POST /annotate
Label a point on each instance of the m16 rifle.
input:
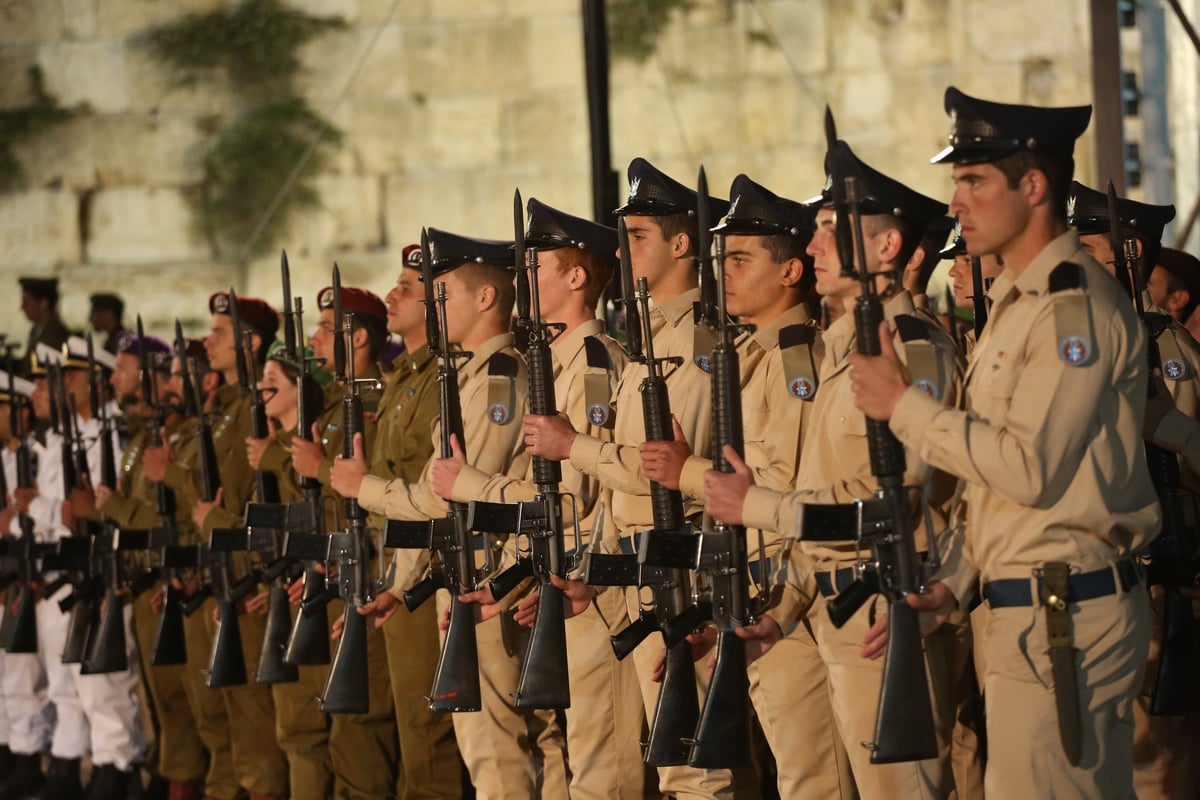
(544, 681)
(456, 679)
(904, 724)
(21, 633)
(1175, 552)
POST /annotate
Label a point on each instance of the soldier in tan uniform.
(660, 216)
(767, 275)
(605, 719)
(961, 280)
(429, 762)
(180, 752)
(509, 752)
(835, 465)
(259, 763)
(1057, 489)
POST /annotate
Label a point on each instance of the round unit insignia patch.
(801, 388)
(1074, 350)
(1173, 369)
(598, 414)
(703, 361)
(926, 387)
(326, 299)
(498, 413)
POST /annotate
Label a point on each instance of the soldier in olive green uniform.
(181, 758)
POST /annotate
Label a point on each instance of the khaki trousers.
(208, 706)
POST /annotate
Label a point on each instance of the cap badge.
(221, 304)
(633, 187)
(1071, 205)
(733, 207)
(326, 299)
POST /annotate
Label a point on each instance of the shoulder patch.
(596, 353)
(799, 365)
(502, 364)
(1072, 315)
(1174, 366)
(911, 328)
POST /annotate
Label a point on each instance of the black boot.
(8, 762)
(62, 780)
(109, 783)
(25, 779)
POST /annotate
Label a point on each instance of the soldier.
(259, 763)
(39, 302)
(1174, 284)
(30, 718)
(835, 465)
(605, 719)
(1057, 489)
(105, 318)
(508, 752)
(660, 217)
(767, 277)
(362, 747)
(961, 280)
(180, 752)
(429, 760)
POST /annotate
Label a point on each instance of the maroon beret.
(359, 301)
(252, 311)
(412, 256)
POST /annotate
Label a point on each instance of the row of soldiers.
(557, 494)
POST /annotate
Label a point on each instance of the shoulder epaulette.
(502, 364)
(799, 365)
(792, 335)
(596, 353)
(1066, 275)
(911, 328)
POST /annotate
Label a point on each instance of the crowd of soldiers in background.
(424, 545)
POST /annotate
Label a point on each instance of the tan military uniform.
(1051, 450)
(208, 706)
(132, 507)
(429, 760)
(618, 465)
(788, 685)
(508, 752)
(604, 722)
(835, 468)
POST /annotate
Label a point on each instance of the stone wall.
(460, 101)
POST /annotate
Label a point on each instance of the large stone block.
(549, 126)
(150, 150)
(386, 135)
(347, 10)
(91, 73)
(789, 38)
(15, 89)
(39, 229)
(349, 218)
(996, 33)
(79, 19)
(464, 131)
(473, 202)
(133, 225)
(556, 57)
(374, 11)
(474, 56)
(153, 88)
(61, 156)
(121, 18)
(30, 21)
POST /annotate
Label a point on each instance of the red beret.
(252, 311)
(412, 256)
(359, 301)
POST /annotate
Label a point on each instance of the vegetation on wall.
(634, 25)
(20, 124)
(252, 154)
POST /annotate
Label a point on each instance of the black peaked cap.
(878, 194)
(981, 130)
(1087, 212)
(957, 246)
(450, 250)
(548, 228)
(755, 210)
(653, 193)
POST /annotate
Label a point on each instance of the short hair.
(910, 236)
(598, 267)
(672, 225)
(932, 243)
(784, 247)
(377, 332)
(1058, 171)
(475, 275)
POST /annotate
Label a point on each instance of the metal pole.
(595, 54)
(1106, 93)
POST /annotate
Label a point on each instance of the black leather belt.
(831, 583)
(1010, 592)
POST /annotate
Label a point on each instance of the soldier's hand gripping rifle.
(904, 724)
(22, 631)
(456, 679)
(1175, 552)
(350, 549)
(544, 681)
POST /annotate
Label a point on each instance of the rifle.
(345, 690)
(22, 631)
(106, 646)
(1174, 561)
(544, 680)
(456, 679)
(904, 724)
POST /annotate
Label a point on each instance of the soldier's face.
(960, 273)
(651, 254)
(125, 379)
(322, 339)
(279, 390)
(553, 283)
(827, 266)
(1099, 247)
(41, 398)
(752, 276)
(460, 306)
(991, 214)
(406, 312)
(218, 345)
